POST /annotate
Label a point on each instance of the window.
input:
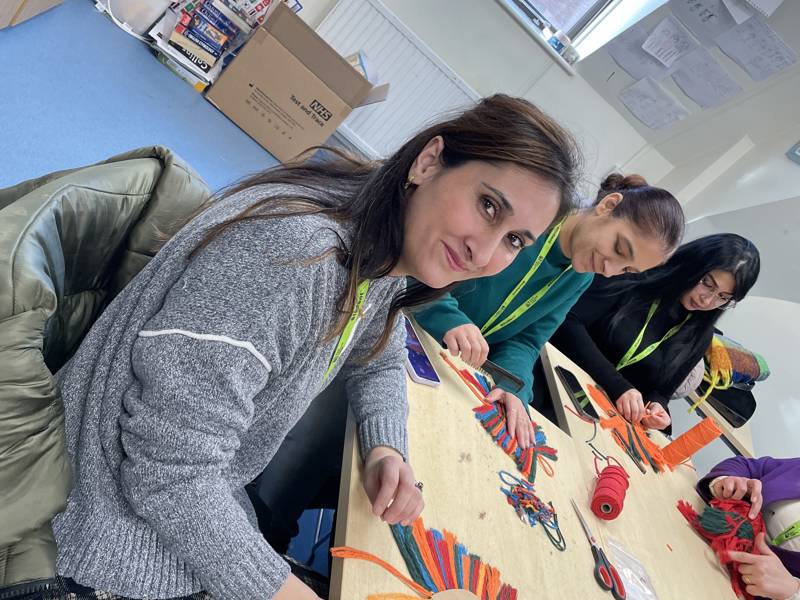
(590, 24)
(570, 16)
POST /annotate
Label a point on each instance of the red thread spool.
(609, 493)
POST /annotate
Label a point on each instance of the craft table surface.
(741, 438)
(650, 519)
(458, 463)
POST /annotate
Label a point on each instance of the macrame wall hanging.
(492, 417)
(437, 562)
(632, 438)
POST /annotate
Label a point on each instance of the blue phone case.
(417, 358)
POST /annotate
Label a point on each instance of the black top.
(585, 337)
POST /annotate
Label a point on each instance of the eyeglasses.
(724, 300)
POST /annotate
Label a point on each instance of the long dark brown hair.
(655, 211)
(372, 196)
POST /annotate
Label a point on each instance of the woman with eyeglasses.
(639, 337)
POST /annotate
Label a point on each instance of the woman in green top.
(508, 317)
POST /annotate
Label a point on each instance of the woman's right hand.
(631, 405)
(468, 341)
(737, 488)
(294, 589)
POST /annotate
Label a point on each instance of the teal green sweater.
(515, 347)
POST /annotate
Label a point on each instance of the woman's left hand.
(655, 416)
(390, 486)
(518, 422)
(764, 573)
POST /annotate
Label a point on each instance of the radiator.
(423, 87)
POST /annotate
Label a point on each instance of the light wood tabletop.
(459, 463)
(739, 438)
(680, 564)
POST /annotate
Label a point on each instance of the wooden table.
(739, 439)
(458, 463)
(649, 522)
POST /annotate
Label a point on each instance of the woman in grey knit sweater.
(187, 384)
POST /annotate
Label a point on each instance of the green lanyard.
(789, 533)
(528, 304)
(629, 357)
(350, 328)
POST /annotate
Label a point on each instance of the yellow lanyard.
(787, 534)
(629, 357)
(487, 328)
(350, 328)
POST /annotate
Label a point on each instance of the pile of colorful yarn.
(531, 509)
(437, 562)
(725, 526)
(493, 419)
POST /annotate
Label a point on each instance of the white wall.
(492, 53)
(487, 48)
(772, 328)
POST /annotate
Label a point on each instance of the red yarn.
(609, 493)
(735, 517)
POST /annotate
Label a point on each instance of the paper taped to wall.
(652, 104)
(765, 7)
(669, 41)
(706, 19)
(704, 80)
(626, 50)
(757, 48)
(740, 10)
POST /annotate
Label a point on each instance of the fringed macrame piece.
(492, 417)
(437, 562)
(632, 438)
(725, 526)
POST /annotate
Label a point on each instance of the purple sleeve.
(737, 466)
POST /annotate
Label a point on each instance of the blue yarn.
(460, 551)
(411, 555)
(437, 537)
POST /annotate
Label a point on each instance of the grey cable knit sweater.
(184, 389)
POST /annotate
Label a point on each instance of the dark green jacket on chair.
(69, 242)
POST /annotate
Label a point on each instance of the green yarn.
(718, 522)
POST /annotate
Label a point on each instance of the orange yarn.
(347, 552)
(478, 393)
(420, 536)
(684, 446)
(617, 423)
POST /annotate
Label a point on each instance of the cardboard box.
(288, 89)
(17, 11)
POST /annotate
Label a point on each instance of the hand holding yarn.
(390, 486)
(631, 405)
(764, 573)
(518, 422)
(737, 488)
(468, 341)
(655, 416)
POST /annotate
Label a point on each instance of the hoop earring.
(409, 182)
